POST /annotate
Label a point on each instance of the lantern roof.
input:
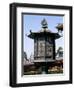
(44, 31)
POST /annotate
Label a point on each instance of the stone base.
(46, 60)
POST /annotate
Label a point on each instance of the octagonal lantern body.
(44, 45)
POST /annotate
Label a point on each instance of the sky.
(33, 23)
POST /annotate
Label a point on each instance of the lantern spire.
(44, 23)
